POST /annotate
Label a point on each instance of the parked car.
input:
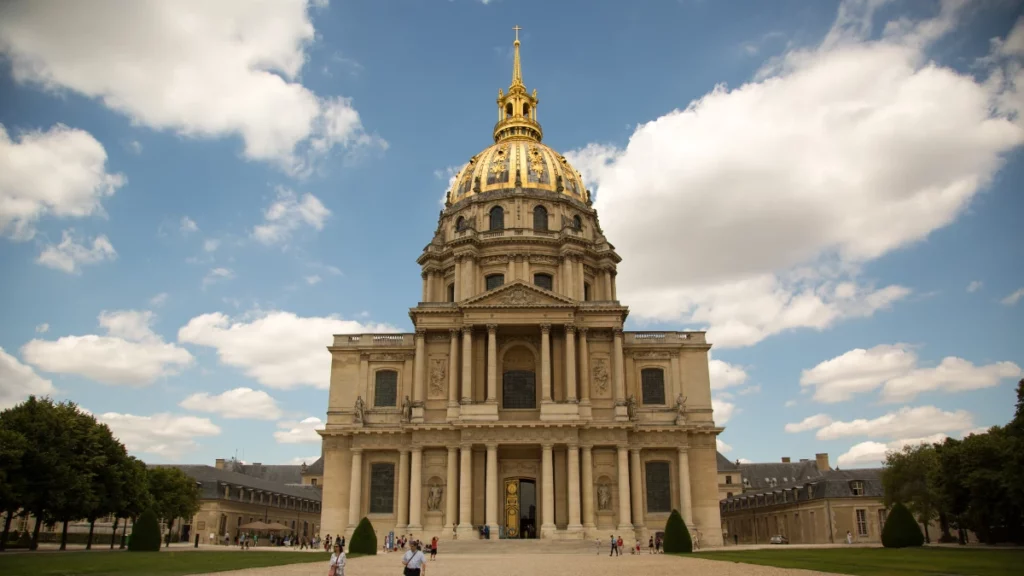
(779, 539)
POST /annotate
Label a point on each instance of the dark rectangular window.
(543, 281)
(385, 389)
(382, 488)
(659, 487)
(519, 390)
(728, 479)
(495, 280)
(652, 382)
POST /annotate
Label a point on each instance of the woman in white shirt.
(414, 561)
(337, 565)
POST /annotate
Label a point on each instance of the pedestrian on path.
(337, 565)
(414, 561)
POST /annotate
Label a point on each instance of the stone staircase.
(516, 546)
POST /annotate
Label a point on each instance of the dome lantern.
(517, 110)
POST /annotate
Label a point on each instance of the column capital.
(404, 450)
(586, 447)
(545, 328)
(573, 446)
(424, 274)
(467, 328)
(617, 332)
(421, 333)
(416, 449)
(583, 331)
(453, 331)
(634, 450)
(492, 445)
(357, 451)
(570, 328)
(547, 447)
(466, 446)
(453, 449)
(492, 328)
(682, 450)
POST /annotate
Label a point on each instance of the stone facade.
(519, 403)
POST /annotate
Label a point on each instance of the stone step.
(513, 546)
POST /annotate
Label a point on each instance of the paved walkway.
(538, 565)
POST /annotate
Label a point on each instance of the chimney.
(822, 461)
(219, 464)
(785, 459)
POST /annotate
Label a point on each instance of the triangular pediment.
(519, 294)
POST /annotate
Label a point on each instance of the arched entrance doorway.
(521, 508)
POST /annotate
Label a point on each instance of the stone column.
(676, 382)
(426, 287)
(547, 507)
(458, 278)
(453, 367)
(491, 506)
(619, 376)
(467, 364)
(510, 273)
(416, 491)
(570, 363)
(545, 362)
(581, 278)
(684, 486)
(607, 285)
(568, 283)
(636, 488)
(492, 363)
(624, 512)
(527, 276)
(573, 464)
(450, 509)
(588, 487)
(403, 489)
(419, 371)
(466, 490)
(584, 377)
(355, 496)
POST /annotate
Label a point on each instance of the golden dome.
(517, 162)
(517, 158)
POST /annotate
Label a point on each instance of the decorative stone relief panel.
(600, 377)
(438, 371)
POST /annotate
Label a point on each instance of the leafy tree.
(82, 442)
(901, 530)
(364, 539)
(108, 479)
(135, 496)
(12, 486)
(909, 478)
(175, 495)
(677, 537)
(145, 533)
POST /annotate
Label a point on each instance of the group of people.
(394, 544)
(413, 561)
(327, 542)
(618, 546)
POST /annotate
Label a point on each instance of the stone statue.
(680, 410)
(434, 494)
(604, 497)
(631, 407)
(360, 410)
(406, 409)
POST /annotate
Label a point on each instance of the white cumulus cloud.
(724, 375)
(131, 353)
(299, 432)
(197, 68)
(18, 381)
(723, 410)
(166, 435)
(69, 256)
(809, 423)
(974, 286)
(188, 225)
(894, 368)
(279, 349)
(771, 195)
(236, 403)
(216, 275)
(60, 172)
(722, 446)
(1013, 298)
(288, 213)
(872, 453)
(907, 422)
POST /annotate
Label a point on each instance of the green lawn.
(885, 562)
(166, 563)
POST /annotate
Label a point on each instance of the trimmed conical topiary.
(364, 539)
(901, 530)
(145, 533)
(677, 537)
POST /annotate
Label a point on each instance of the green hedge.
(901, 530)
(145, 534)
(364, 539)
(677, 537)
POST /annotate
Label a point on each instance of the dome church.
(519, 407)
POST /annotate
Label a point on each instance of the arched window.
(659, 487)
(497, 218)
(652, 382)
(495, 280)
(577, 224)
(508, 110)
(540, 218)
(586, 291)
(460, 224)
(451, 292)
(543, 281)
(385, 388)
(526, 110)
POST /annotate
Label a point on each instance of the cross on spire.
(517, 29)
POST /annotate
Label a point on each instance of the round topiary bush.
(677, 537)
(145, 533)
(901, 530)
(364, 539)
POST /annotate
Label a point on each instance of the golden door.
(512, 508)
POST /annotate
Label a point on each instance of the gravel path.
(538, 565)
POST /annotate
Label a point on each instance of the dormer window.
(577, 223)
(461, 224)
(497, 216)
(495, 281)
(857, 488)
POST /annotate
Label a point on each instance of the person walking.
(650, 545)
(433, 548)
(618, 546)
(849, 537)
(414, 561)
(614, 551)
(337, 565)
(597, 545)
(657, 545)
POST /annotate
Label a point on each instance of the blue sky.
(192, 199)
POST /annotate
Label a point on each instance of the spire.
(517, 72)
